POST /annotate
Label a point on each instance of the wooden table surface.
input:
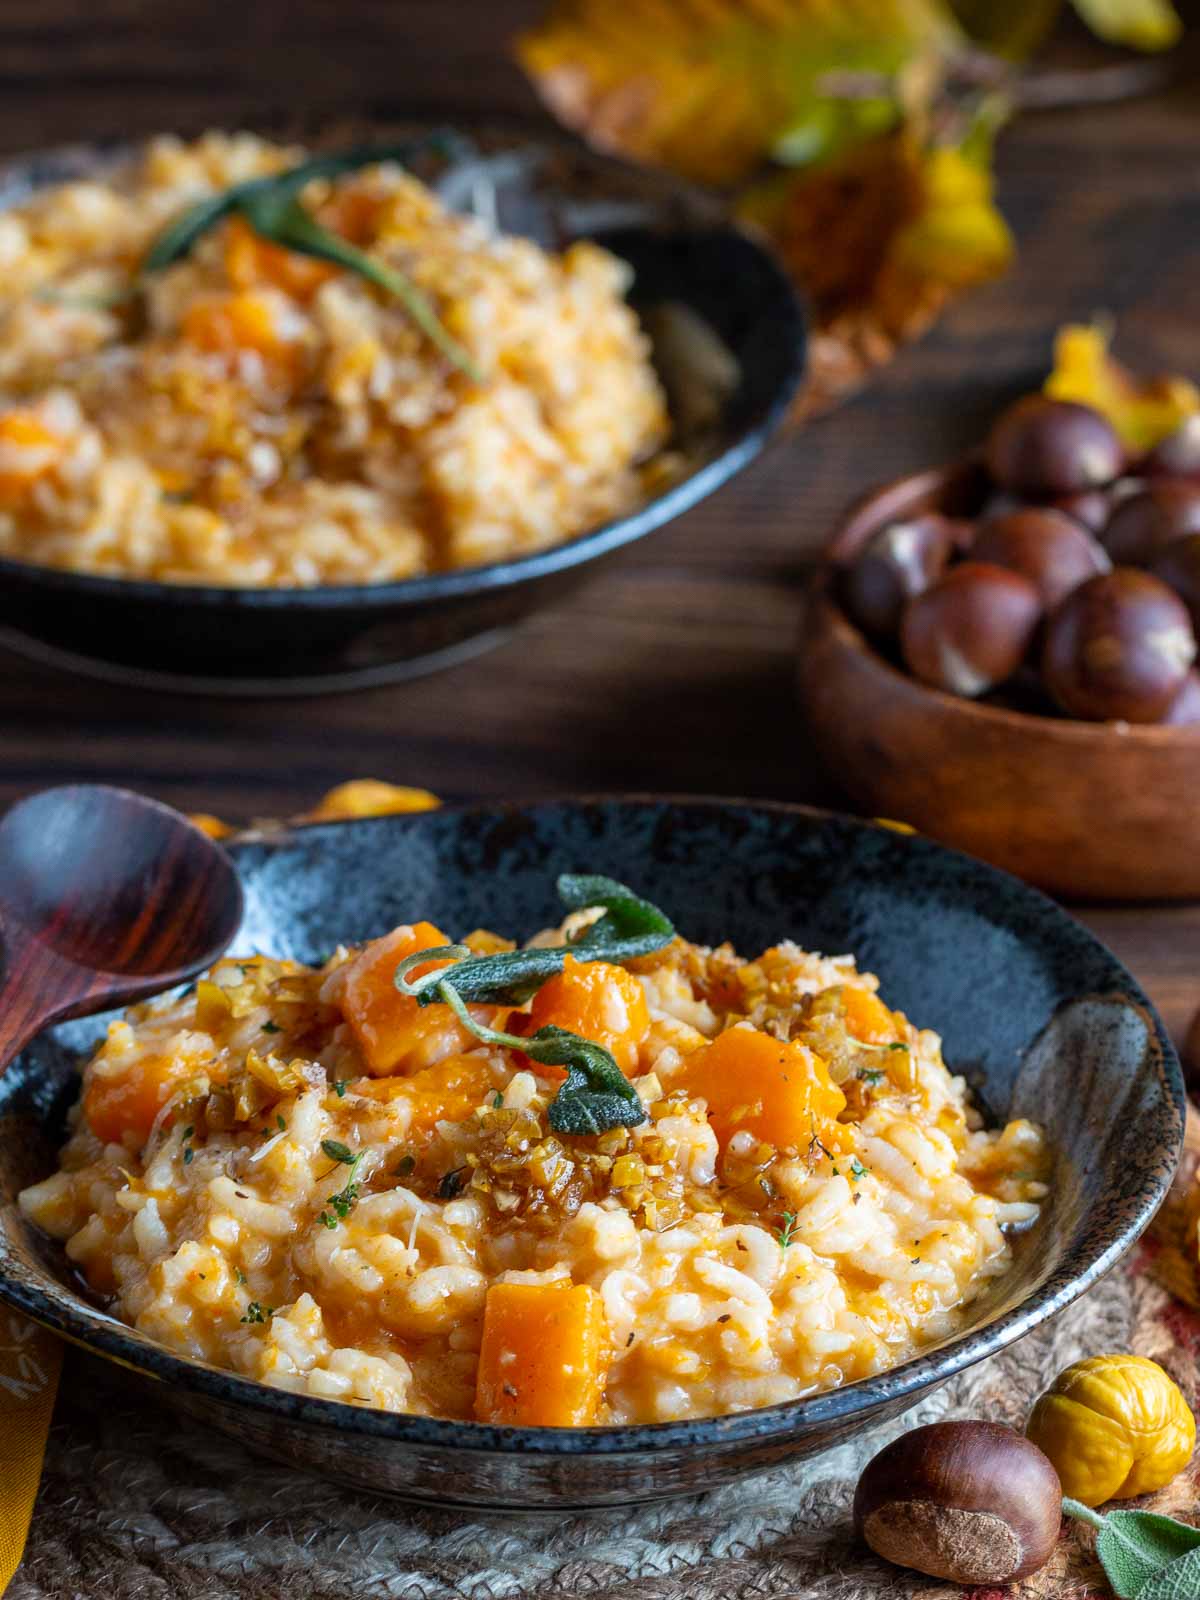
(673, 669)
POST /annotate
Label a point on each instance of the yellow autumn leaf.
(1142, 410)
(710, 88)
(1142, 24)
(879, 240)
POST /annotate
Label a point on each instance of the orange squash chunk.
(447, 1092)
(394, 1032)
(116, 1106)
(867, 1018)
(543, 1357)
(28, 450)
(252, 260)
(599, 1001)
(232, 323)
(780, 1092)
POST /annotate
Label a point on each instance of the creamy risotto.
(249, 415)
(314, 1179)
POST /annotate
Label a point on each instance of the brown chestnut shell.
(1051, 549)
(900, 561)
(1178, 455)
(1178, 565)
(1040, 447)
(972, 1502)
(1144, 523)
(972, 629)
(1118, 649)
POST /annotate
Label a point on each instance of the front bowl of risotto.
(284, 415)
(589, 1152)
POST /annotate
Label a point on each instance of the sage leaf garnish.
(272, 207)
(1145, 1556)
(596, 1095)
(630, 927)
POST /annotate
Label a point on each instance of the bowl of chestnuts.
(1002, 653)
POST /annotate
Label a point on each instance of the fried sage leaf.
(630, 927)
(272, 207)
(596, 1095)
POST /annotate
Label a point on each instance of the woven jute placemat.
(138, 1504)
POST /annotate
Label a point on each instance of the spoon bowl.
(106, 897)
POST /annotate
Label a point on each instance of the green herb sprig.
(1145, 1556)
(596, 1095)
(341, 1204)
(272, 207)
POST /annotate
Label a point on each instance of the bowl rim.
(68, 1314)
(752, 437)
(896, 498)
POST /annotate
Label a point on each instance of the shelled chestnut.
(1072, 589)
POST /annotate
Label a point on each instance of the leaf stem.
(1075, 1508)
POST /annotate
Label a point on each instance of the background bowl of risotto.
(1039, 1019)
(244, 469)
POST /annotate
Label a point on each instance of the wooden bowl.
(1095, 811)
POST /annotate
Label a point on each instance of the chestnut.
(1091, 507)
(899, 561)
(1118, 648)
(1178, 455)
(1142, 523)
(1178, 565)
(1051, 549)
(1041, 447)
(972, 629)
(1184, 712)
(971, 1502)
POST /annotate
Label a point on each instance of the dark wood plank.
(673, 669)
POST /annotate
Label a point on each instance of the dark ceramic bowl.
(1037, 1014)
(300, 641)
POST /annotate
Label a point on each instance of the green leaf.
(1142, 24)
(337, 1151)
(272, 207)
(1179, 1581)
(1138, 1548)
(276, 214)
(630, 927)
(596, 1095)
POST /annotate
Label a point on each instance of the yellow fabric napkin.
(30, 1359)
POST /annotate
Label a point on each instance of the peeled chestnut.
(1041, 447)
(1184, 710)
(1118, 648)
(971, 1502)
(1178, 455)
(898, 562)
(1178, 565)
(1143, 523)
(1051, 549)
(972, 629)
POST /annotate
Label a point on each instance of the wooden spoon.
(105, 898)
